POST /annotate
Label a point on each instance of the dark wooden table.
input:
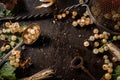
(58, 44)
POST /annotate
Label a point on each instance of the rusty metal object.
(26, 17)
(23, 41)
(77, 63)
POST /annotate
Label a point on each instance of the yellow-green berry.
(110, 70)
(104, 41)
(67, 12)
(108, 76)
(12, 43)
(91, 38)
(105, 67)
(7, 24)
(7, 47)
(11, 57)
(17, 60)
(106, 37)
(96, 36)
(114, 38)
(63, 15)
(101, 36)
(118, 37)
(96, 44)
(18, 56)
(2, 49)
(74, 23)
(59, 16)
(12, 62)
(106, 61)
(118, 78)
(95, 51)
(110, 64)
(82, 22)
(105, 33)
(106, 48)
(86, 43)
(105, 57)
(114, 59)
(74, 13)
(101, 50)
(8, 30)
(13, 38)
(78, 21)
(95, 31)
(2, 37)
(4, 30)
(87, 21)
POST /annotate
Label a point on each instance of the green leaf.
(7, 71)
(117, 72)
(8, 13)
(1, 13)
(1, 54)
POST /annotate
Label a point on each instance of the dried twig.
(115, 50)
(46, 73)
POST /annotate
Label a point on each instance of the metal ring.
(77, 62)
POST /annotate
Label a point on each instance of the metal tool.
(26, 17)
(98, 9)
(77, 63)
(3, 60)
(38, 16)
